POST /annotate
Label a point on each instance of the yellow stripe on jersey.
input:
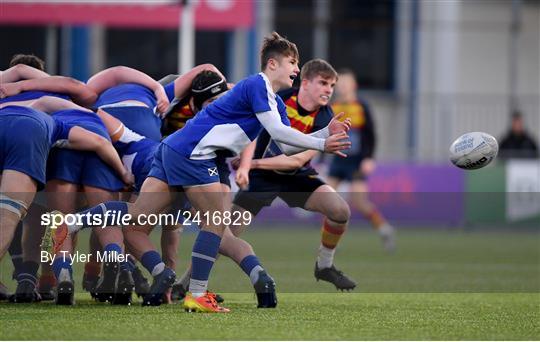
(353, 110)
(302, 123)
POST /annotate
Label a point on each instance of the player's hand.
(162, 101)
(337, 143)
(338, 126)
(9, 89)
(367, 166)
(242, 178)
(128, 178)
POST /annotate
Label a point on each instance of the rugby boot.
(124, 288)
(107, 281)
(54, 236)
(334, 276)
(142, 286)
(206, 303)
(161, 283)
(26, 292)
(265, 288)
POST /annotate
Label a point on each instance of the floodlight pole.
(186, 37)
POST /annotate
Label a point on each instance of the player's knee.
(341, 213)
(15, 206)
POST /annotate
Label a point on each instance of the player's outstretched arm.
(78, 91)
(117, 75)
(291, 141)
(84, 140)
(51, 104)
(21, 72)
(115, 127)
(284, 163)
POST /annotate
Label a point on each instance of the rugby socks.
(62, 267)
(204, 255)
(15, 250)
(331, 234)
(376, 219)
(152, 262)
(251, 266)
(112, 250)
(47, 278)
(28, 272)
(92, 269)
(103, 215)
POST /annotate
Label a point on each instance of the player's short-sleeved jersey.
(56, 130)
(301, 120)
(32, 95)
(229, 123)
(125, 92)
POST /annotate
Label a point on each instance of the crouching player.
(24, 156)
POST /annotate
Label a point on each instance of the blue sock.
(28, 272)
(251, 266)
(115, 209)
(152, 262)
(204, 254)
(60, 263)
(112, 251)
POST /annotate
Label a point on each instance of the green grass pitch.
(447, 284)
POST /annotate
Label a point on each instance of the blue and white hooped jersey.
(229, 123)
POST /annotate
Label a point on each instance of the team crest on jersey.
(212, 171)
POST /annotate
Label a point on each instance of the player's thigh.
(95, 195)
(328, 202)
(209, 199)
(18, 186)
(155, 196)
(61, 195)
(333, 182)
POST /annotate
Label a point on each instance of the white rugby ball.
(473, 150)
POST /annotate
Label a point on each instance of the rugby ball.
(473, 150)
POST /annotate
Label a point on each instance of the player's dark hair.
(30, 60)
(276, 47)
(206, 85)
(317, 67)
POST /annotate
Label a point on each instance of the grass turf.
(448, 284)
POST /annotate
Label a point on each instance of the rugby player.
(292, 178)
(360, 163)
